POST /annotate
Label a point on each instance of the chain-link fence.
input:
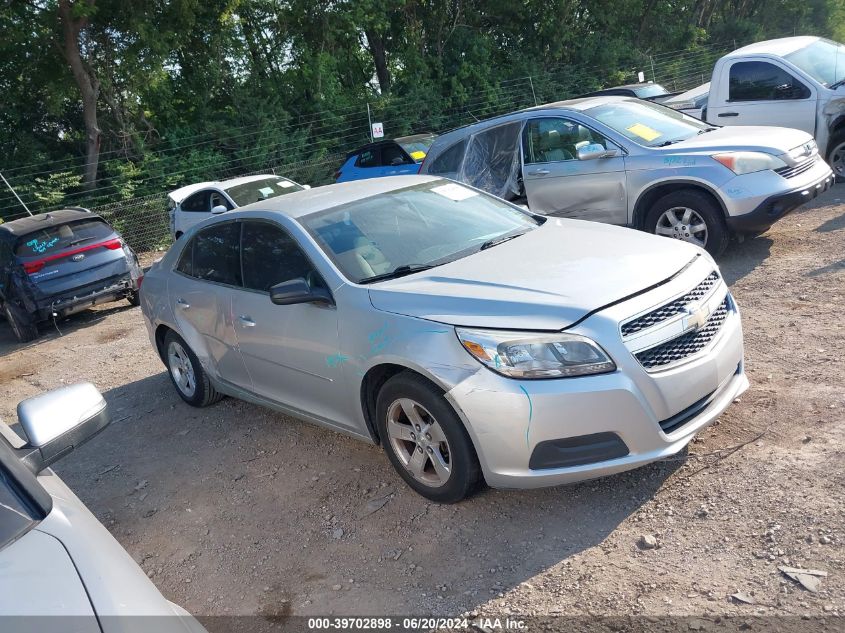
(309, 149)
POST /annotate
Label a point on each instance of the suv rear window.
(57, 238)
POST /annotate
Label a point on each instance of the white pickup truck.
(796, 82)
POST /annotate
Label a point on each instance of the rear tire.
(186, 373)
(836, 155)
(432, 432)
(134, 298)
(22, 326)
(666, 218)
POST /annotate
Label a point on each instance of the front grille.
(673, 308)
(800, 168)
(687, 344)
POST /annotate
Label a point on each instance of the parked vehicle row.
(390, 157)
(470, 338)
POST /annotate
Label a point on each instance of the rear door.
(557, 183)
(72, 258)
(200, 295)
(762, 92)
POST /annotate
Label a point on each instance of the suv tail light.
(33, 267)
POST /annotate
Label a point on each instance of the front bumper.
(775, 207)
(531, 434)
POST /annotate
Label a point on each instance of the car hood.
(547, 279)
(773, 140)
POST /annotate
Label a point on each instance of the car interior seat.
(556, 151)
(368, 258)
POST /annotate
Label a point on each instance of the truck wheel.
(22, 326)
(836, 155)
(690, 216)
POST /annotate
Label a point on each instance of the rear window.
(57, 238)
(261, 190)
(449, 162)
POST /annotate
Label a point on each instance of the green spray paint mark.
(530, 414)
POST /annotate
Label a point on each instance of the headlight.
(531, 356)
(749, 162)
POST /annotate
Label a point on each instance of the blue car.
(396, 157)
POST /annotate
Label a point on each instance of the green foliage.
(193, 90)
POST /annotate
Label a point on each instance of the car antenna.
(15, 193)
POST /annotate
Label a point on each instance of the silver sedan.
(471, 339)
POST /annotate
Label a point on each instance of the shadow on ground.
(261, 500)
(741, 258)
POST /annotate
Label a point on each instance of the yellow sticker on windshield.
(418, 155)
(644, 131)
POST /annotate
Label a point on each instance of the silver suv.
(468, 337)
(630, 162)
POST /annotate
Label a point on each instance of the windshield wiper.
(705, 130)
(500, 240)
(79, 241)
(836, 84)
(399, 271)
(671, 141)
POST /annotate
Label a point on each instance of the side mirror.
(594, 151)
(58, 421)
(298, 291)
(306, 186)
(217, 210)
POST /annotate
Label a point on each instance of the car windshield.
(413, 228)
(651, 90)
(259, 190)
(647, 123)
(57, 238)
(823, 60)
(417, 148)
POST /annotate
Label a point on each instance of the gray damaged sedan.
(471, 339)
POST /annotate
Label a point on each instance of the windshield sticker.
(40, 246)
(454, 192)
(644, 132)
(418, 155)
(284, 184)
(266, 191)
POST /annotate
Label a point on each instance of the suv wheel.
(836, 155)
(690, 216)
(425, 440)
(22, 326)
(186, 373)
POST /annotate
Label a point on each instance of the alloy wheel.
(683, 223)
(419, 442)
(181, 369)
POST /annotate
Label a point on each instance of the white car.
(60, 569)
(191, 204)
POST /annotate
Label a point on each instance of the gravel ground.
(238, 510)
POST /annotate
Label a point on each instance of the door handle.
(246, 321)
(728, 114)
(539, 172)
(182, 303)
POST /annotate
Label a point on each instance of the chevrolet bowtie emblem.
(696, 318)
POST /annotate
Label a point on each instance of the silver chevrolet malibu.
(473, 340)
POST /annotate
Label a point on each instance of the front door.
(763, 93)
(287, 350)
(557, 183)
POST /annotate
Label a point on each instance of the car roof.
(415, 137)
(780, 47)
(183, 192)
(27, 225)
(301, 203)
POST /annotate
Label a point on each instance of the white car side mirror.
(220, 208)
(306, 186)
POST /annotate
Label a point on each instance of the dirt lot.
(238, 510)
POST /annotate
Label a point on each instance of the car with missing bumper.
(635, 163)
(60, 569)
(470, 338)
(58, 263)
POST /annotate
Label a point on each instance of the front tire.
(186, 373)
(836, 155)
(22, 326)
(690, 216)
(425, 440)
